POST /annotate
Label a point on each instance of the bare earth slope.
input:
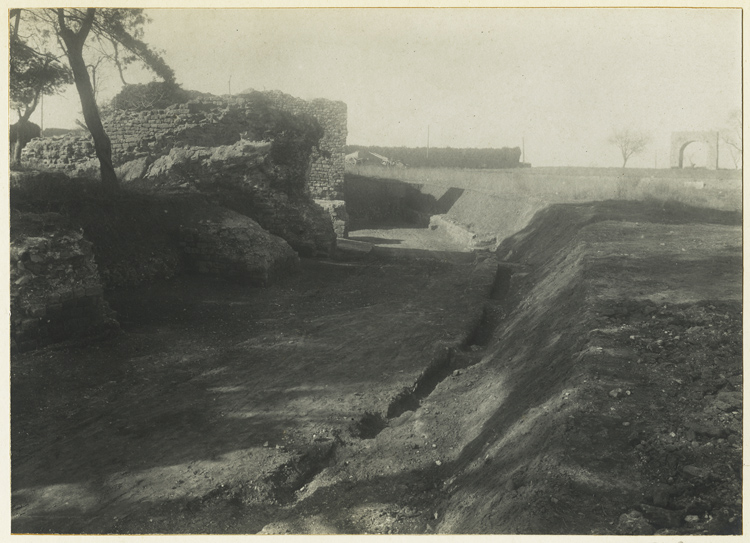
(614, 385)
(591, 384)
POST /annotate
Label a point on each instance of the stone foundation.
(235, 177)
(339, 217)
(55, 293)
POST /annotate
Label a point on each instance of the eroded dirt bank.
(591, 384)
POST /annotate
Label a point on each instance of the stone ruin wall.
(56, 293)
(133, 134)
(326, 178)
(136, 134)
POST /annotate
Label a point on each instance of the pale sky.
(559, 79)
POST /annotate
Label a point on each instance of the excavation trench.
(464, 355)
(220, 408)
(281, 486)
(292, 476)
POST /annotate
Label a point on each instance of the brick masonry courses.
(326, 178)
(208, 121)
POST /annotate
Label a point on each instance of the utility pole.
(230, 85)
(523, 150)
(428, 143)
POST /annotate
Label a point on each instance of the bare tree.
(630, 142)
(732, 136)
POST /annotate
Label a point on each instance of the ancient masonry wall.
(136, 134)
(326, 178)
(56, 292)
(133, 134)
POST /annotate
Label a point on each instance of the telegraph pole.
(230, 85)
(428, 143)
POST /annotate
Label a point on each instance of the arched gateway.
(680, 140)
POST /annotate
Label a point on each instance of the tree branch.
(17, 14)
(64, 30)
(83, 32)
(118, 63)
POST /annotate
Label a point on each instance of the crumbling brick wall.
(326, 179)
(207, 121)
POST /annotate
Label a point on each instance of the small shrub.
(153, 95)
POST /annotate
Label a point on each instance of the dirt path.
(409, 240)
(214, 385)
(591, 384)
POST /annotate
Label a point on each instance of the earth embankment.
(586, 378)
(480, 208)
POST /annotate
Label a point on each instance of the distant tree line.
(447, 157)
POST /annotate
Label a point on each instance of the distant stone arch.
(680, 140)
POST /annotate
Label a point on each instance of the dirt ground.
(586, 378)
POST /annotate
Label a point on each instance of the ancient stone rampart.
(133, 134)
(326, 178)
(208, 121)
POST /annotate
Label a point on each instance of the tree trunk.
(20, 134)
(17, 148)
(102, 145)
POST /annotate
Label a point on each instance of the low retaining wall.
(480, 208)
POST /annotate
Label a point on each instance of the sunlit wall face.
(561, 80)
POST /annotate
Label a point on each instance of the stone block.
(36, 311)
(94, 291)
(29, 324)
